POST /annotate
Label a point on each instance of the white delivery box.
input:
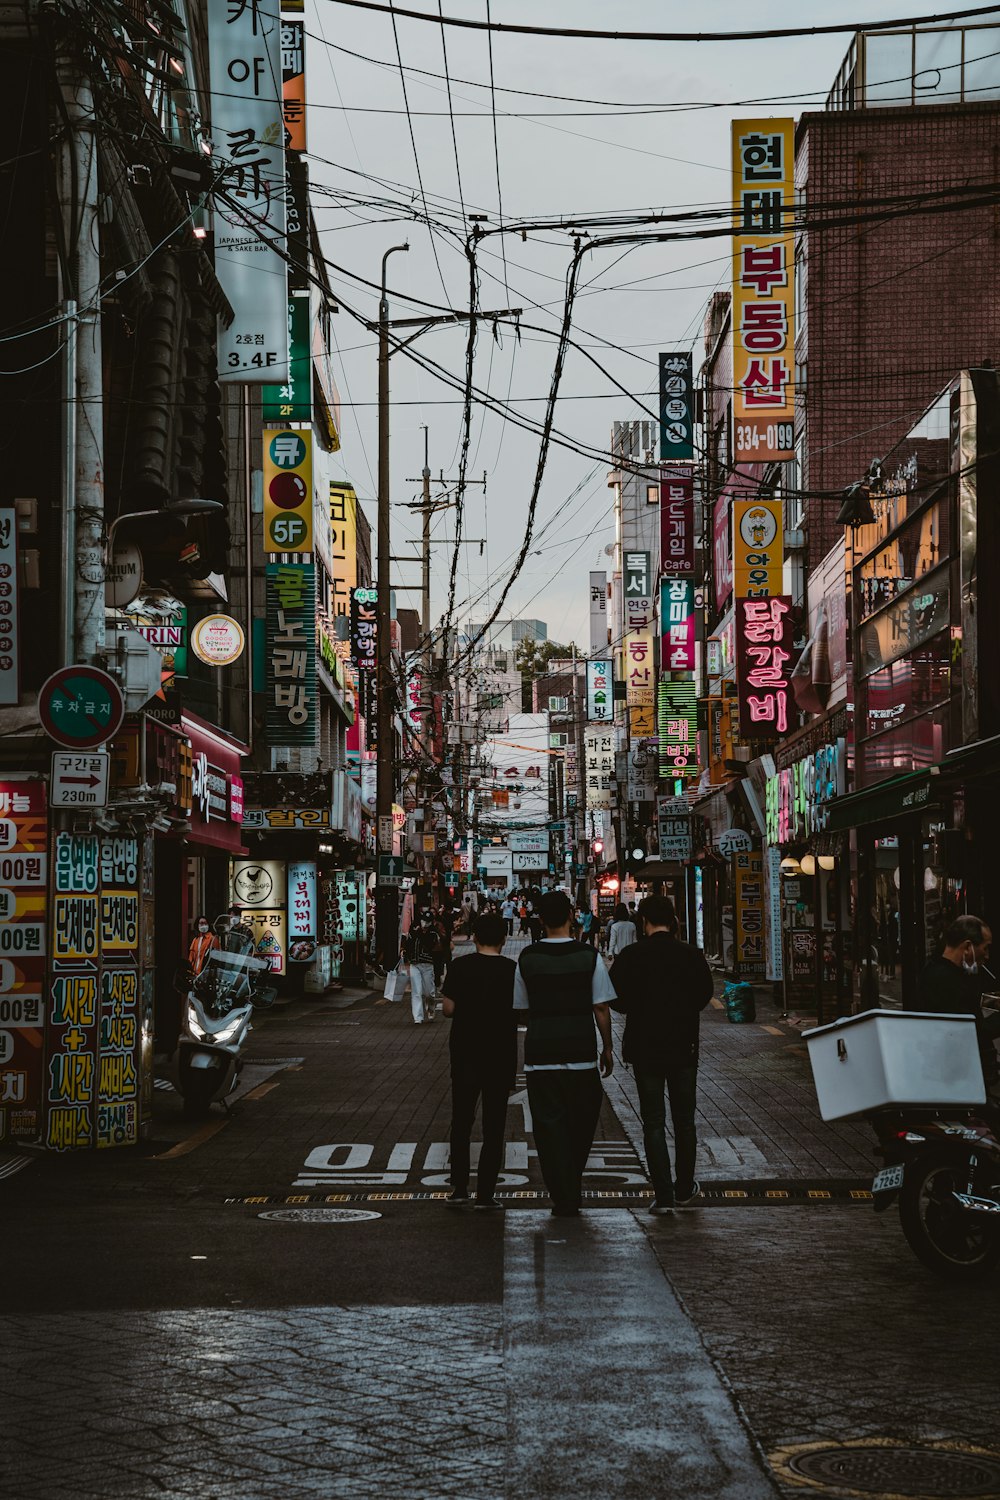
(888, 1058)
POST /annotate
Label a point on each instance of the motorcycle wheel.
(944, 1237)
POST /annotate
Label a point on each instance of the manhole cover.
(904, 1471)
(320, 1215)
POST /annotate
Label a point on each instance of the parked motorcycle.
(943, 1168)
(217, 1019)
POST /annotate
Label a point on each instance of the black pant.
(467, 1084)
(565, 1105)
(681, 1085)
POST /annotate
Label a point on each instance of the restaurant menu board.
(98, 1049)
(23, 869)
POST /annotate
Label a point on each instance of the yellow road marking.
(772, 1030)
(262, 1089)
(193, 1142)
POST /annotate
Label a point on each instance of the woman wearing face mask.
(953, 984)
(202, 943)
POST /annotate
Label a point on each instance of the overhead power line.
(771, 33)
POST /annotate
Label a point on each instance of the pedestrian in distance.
(954, 984)
(418, 951)
(507, 912)
(621, 932)
(586, 923)
(661, 987)
(563, 987)
(479, 998)
(202, 943)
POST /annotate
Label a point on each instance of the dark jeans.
(565, 1105)
(681, 1085)
(467, 1084)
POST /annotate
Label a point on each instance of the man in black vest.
(564, 987)
(662, 985)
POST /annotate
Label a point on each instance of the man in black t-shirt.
(479, 996)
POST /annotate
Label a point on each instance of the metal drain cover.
(320, 1215)
(883, 1467)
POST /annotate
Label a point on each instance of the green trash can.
(740, 1003)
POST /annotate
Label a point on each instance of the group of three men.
(559, 988)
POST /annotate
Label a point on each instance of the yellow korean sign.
(343, 546)
(642, 721)
(288, 490)
(758, 548)
(763, 290)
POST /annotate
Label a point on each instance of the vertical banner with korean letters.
(98, 1030)
(343, 548)
(677, 522)
(248, 130)
(293, 83)
(763, 289)
(637, 596)
(764, 641)
(673, 829)
(599, 756)
(288, 491)
(9, 663)
(758, 547)
(291, 401)
(600, 691)
(750, 958)
(23, 874)
(677, 624)
(676, 407)
(303, 912)
(292, 709)
(677, 727)
(598, 613)
(364, 651)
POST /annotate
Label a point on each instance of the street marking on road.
(355, 1164)
(262, 1089)
(713, 1195)
(772, 1030)
(194, 1141)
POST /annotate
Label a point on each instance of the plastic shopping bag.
(395, 983)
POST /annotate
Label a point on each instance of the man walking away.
(507, 912)
(662, 985)
(479, 996)
(564, 987)
(621, 933)
(418, 950)
(954, 983)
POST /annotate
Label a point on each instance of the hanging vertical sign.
(763, 289)
(676, 407)
(292, 401)
(9, 668)
(677, 624)
(291, 713)
(288, 491)
(364, 649)
(343, 547)
(677, 521)
(23, 873)
(764, 639)
(673, 829)
(748, 903)
(599, 754)
(293, 83)
(600, 692)
(598, 613)
(637, 592)
(677, 727)
(249, 134)
(758, 547)
(302, 910)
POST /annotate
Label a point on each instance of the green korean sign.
(292, 402)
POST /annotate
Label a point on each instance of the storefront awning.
(890, 799)
(972, 762)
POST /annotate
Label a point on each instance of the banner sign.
(9, 667)
(364, 651)
(722, 557)
(535, 842)
(636, 576)
(764, 638)
(302, 911)
(676, 407)
(293, 83)
(677, 727)
(599, 757)
(598, 613)
(673, 828)
(677, 522)
(290, 662)
(288, 491)
(600, 692)
(677, 624)
(249, 134)
(748, 915)
(292, 401)
(637, 591)
(763, 289)
(758, 547)
(23, 875)
(343, 547)
(413, 708)
(642, 721)
(799, 797)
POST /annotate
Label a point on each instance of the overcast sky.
(566, 164)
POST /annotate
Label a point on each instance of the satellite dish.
(609, 550)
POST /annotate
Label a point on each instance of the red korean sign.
(677, 521)
(763, 666)
(23, 883)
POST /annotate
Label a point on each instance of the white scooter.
(216, 1021)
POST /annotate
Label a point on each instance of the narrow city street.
(280, 1304)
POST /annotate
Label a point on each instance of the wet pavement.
(279, 1305)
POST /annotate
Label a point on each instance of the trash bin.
(740, 1003)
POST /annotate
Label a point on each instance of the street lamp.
(195, 506)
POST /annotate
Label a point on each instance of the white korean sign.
(79, 780)
(496, 861)
(9, 675)
(598, 613)
(599, 749)
(244, 38)
(523, 862)
(301, 910)
(529, 843)
(600, 691)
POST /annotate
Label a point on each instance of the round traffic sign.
(80, 707)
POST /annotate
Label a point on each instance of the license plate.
(888, 1180)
